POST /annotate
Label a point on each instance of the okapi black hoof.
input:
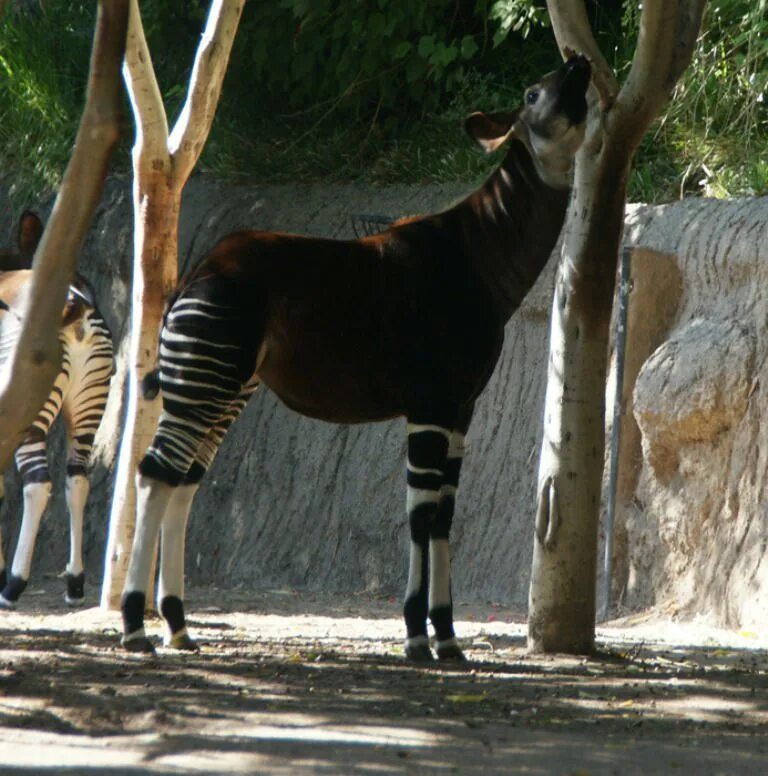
(139, 645)
(450, 651)
(11, 591)
(418, 650)
(75, 595)
(184, 642)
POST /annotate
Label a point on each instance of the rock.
(692, 388)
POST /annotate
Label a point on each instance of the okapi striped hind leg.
(76, 493)
(32, 463)
(3, 570)
(164, 501)
(83, 409)
(171, 587)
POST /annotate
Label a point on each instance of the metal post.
(618, 411)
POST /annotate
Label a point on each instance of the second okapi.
(79, 394)
(408, 322)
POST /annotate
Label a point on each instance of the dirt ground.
(291, 683)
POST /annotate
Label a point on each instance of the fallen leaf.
(466, 698)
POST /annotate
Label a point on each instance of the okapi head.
(550, 123)
(28, 235)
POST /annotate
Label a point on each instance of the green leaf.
(402, 49)
(469, 47)
(426, 45)
(376, 23)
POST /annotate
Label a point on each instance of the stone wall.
(697, 522)
(292, 502)
(296, 502)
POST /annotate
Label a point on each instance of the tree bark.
(162, 164)
(562, 593)
(30, 371)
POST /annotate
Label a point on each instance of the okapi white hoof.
(417, 649)
(9, 606)
(138, 644)
(182, 641)
(450, 650)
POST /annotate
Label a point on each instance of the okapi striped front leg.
(427, 454)
(440, 599)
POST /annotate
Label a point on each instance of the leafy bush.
(713, 137)
(321, 90)
(43, 69)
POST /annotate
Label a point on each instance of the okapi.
(79, 394)
(408, 322)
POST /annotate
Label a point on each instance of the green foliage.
(713, 138)
(43, 70)
(376, 89)
(387, 59)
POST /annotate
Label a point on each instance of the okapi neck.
(510, 227)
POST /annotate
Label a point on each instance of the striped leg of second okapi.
(3, 571)
(174, 526)
(83, 410)
(440, 600)
(427, 451)
(32, 463)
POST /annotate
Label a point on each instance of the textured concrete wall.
(697, 526)
(295, 502)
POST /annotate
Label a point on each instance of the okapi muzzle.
(405, 323)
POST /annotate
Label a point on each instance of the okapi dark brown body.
(405, 313)
(408, 322)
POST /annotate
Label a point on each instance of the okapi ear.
(490, 130)
(30, 232)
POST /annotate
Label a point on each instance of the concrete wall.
(292, 502)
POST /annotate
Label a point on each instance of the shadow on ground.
(296, 684)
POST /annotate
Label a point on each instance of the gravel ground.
(293, 683)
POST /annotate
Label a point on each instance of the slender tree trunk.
(30, 371)
(162, 164)
(562, 594)
(154, 278)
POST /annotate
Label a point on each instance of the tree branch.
(668, 33)
(686, 35)
(194, 123)
(144, 92)
(574, 35)
(36, 359)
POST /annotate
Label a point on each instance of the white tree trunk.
(162, 165)
(31, 369)
(562, 593)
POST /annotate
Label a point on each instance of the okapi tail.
(150, 385)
